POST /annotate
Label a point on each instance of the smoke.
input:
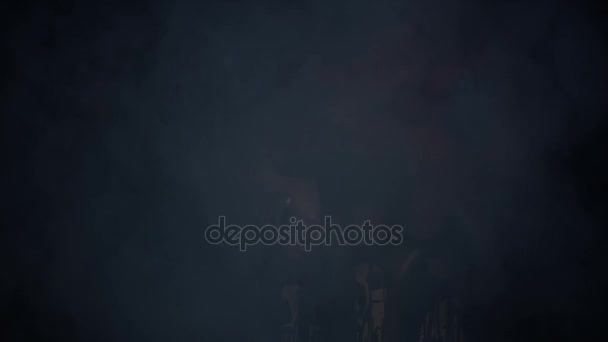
(132, 127)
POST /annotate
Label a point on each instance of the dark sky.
(129, 127)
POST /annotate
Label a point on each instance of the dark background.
(126, 128)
